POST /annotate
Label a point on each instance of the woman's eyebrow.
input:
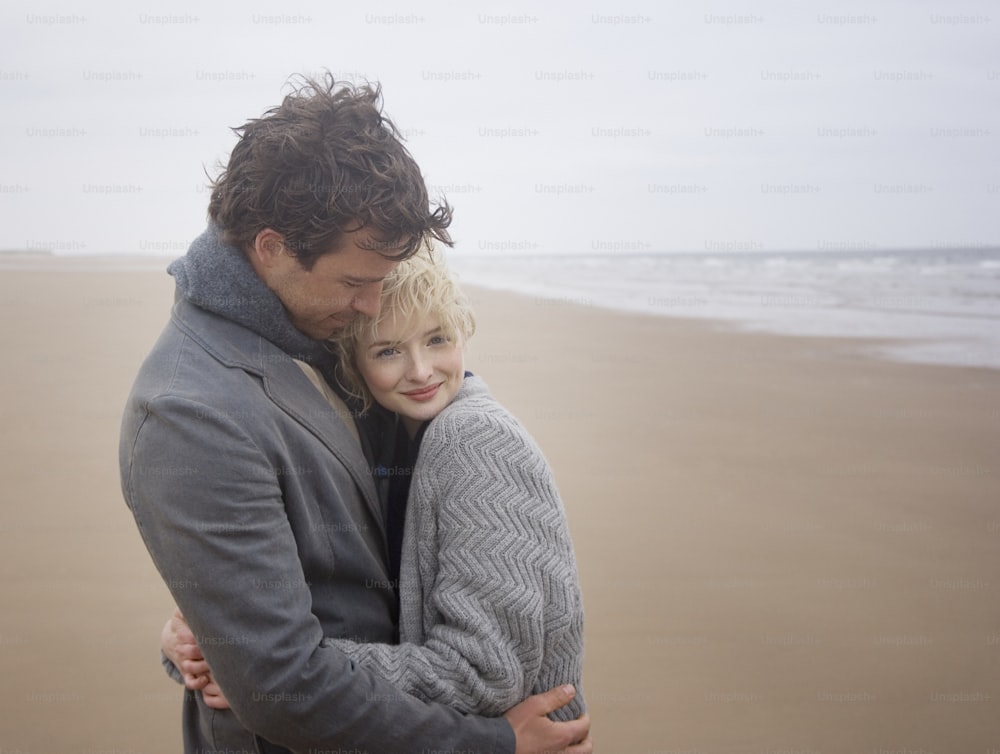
(382, 343)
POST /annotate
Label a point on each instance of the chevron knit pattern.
(490, 603)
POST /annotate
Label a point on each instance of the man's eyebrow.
(363, 280)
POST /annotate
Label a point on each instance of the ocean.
(931, 306)
(937, 306)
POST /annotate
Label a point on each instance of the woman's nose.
(420, 368)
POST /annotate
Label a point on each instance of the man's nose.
(367, 299)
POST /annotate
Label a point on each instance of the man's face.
(340, 285)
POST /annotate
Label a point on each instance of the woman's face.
(412, 368)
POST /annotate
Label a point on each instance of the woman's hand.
(213, 695)
(180, 646)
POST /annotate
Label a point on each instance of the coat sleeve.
(503, 546)
(210, 510)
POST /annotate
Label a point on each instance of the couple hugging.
(370, 551)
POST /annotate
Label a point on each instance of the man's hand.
(536, 733)
(181, 648)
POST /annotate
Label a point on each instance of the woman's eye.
(385, 353)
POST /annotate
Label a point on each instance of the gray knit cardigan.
(490, 603)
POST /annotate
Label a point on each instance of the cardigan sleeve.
(503, 549)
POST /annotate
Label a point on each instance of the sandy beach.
(785, 545)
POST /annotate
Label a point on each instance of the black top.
(400, 474)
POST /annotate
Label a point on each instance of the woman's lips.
(424, 393)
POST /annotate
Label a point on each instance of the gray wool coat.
(259, 510)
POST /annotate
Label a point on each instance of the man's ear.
(267, 247)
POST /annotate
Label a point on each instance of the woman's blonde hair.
(419, 287)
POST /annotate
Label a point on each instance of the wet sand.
(784, 545)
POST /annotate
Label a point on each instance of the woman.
(490, 605)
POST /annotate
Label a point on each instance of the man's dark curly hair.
(324, 162)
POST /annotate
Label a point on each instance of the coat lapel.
(291, 390)
(286, 385)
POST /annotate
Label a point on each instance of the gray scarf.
(218, 277)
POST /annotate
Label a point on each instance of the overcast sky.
(576, 127)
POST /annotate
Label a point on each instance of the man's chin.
(327, 329)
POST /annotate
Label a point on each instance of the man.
(244, 470)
